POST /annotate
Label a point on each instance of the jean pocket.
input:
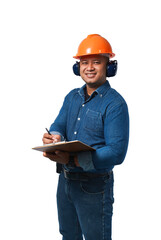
(93, 186)
(93, 121)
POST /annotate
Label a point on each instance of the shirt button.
(75, 132)
(78, 119)
(82, 105)
(100, 95)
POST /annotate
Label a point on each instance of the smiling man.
(97, 115)
(93, 71)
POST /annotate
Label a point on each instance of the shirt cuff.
(85, 161)
(58, 133)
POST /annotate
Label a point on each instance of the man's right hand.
(47, 138)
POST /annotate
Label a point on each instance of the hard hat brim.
(111, 55)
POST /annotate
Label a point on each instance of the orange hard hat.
(94, 44)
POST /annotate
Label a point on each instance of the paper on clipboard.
(71, 146)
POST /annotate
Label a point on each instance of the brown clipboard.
(71, 146)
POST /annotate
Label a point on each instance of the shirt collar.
(100, 91)
(103, 88)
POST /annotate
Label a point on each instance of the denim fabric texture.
(101, 122)
(85, 208)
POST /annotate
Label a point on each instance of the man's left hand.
(58, 156)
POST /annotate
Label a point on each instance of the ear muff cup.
(76, 69)
(111, 68)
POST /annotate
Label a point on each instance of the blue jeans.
(85, 207)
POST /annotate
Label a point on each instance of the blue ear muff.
(111, 69)
(76, 69)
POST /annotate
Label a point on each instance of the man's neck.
(90, 90)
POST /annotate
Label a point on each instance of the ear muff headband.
(111, 68)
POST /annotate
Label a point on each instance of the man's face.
(93, 70)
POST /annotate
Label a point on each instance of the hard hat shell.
(94, 44)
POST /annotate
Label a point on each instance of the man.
(98, 116)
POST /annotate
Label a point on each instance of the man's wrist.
(76, 161)
(73, 161)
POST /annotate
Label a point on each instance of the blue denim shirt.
(101, 122)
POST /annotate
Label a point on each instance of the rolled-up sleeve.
(85, 161)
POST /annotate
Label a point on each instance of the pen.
(48, 131)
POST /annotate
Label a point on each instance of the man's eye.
(96, 62)
(84, 62)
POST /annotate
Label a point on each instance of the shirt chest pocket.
(93, 121)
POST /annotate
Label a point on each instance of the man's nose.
(90, 66)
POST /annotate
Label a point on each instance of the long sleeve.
(59, 125)
(116, 133)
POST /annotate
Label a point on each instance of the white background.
(37, 42)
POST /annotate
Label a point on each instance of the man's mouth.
(90, 75)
